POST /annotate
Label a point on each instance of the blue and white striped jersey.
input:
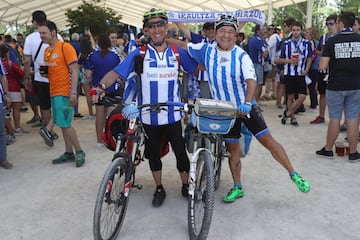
(227, 70)
(158, 82)
(303, 48)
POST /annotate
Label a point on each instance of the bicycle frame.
(131, 153)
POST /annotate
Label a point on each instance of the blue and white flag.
(132, 42)
(130, 91)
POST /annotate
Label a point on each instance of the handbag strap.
(38, 50)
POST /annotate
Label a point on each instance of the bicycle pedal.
(138, 186)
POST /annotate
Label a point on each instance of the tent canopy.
(18, 12)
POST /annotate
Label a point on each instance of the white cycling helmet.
(226, 20)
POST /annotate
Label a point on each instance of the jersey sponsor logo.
(160, 75)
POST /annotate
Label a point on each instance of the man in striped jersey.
(232, 78)
(159, 83)
(296, 54)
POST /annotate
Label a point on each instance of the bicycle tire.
(217, 164)
(112, 206)
(201, 203)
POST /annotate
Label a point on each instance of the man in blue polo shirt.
(258, 52)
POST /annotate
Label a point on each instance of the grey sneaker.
(10, 139)
(20, 131)
(33, 120)
(46, 135)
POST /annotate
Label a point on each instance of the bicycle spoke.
(111, 203)
(201, 204)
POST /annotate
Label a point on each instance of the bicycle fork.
(193, 169)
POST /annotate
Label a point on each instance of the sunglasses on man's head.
(228, 18)
(157, 24)
(330, 23)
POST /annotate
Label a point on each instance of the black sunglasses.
(330, 23)
(157, 24)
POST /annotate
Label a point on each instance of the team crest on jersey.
(55, 55)
(223, 60)
(149, 60)
(172, 60)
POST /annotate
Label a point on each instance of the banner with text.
(254, 15)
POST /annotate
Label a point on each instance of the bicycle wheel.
(112, 201)
(217, 163)
(201, 203)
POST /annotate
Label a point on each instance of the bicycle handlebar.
(185, 107)
(153, 107)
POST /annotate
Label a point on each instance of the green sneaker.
(64, 158)
(80, 158)
(234, 194)
(301, 183)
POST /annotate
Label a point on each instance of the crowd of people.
(220, 63)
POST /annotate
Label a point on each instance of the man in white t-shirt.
(34, 53)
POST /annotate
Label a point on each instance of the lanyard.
(297, 44)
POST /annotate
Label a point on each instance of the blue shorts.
(348, 101)
(62, 111)
(259, 71)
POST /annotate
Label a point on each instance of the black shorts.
(295, 84)
(43, 91)
(32, 98)
(256, 123)
(321, 85)
(235, 131)
(174, 136)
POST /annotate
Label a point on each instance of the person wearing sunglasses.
(232, 78)
(331, 26)
(158, 82)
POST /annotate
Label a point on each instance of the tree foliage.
(96, 18)
(349, 5)
(296, 11)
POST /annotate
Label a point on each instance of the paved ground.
(41, 201)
